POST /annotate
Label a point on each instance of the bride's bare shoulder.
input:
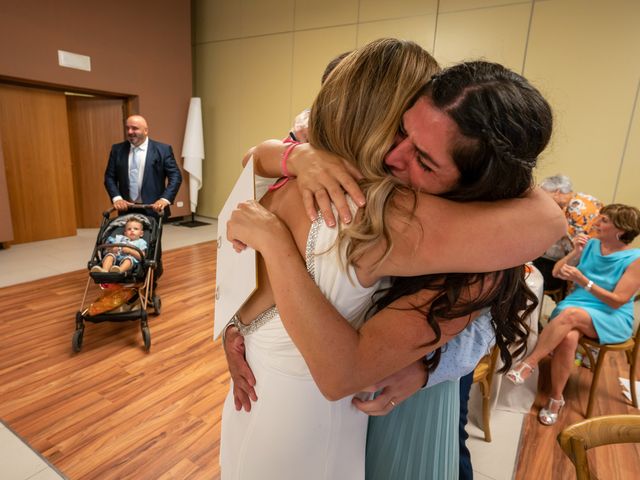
(286, 203)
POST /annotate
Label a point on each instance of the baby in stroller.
(123, 264)
(122, 258)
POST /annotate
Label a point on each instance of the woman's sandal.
(516, 373)
(546, 416)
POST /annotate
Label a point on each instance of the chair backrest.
(487, 365)
(576, 439)
(636, 337)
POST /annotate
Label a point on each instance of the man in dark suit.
(142, 170)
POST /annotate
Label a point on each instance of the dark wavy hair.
(505, 123)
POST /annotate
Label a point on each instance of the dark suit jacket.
(162, 177)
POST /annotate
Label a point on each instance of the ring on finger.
(393, 404)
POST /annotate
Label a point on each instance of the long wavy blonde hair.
(356, 116)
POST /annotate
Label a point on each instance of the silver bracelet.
(589, 286)
(224, 330)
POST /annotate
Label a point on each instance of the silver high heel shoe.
(546, 416)
(516, 374)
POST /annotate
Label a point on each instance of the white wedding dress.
(292, 431)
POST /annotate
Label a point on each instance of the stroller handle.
(108, 213)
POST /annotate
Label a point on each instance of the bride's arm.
(341, 359)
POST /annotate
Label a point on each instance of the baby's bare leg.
(107, 263)
(125, 265)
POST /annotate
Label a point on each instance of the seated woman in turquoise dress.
(606, 278)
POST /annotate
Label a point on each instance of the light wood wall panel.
(247, 103)
(94, 125)
(266, 110)
(498, 34)
(38, 167)
(325, 44)
(586, 59)
(221, 118)
(628, 190)
(419, 28)
(584, 56)
(447, 6)
(371, 10)
(328, 13)
(215, 20)
(628, 187)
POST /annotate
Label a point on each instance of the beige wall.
(140, 49)
(258, 62)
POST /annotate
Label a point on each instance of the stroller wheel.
(146, 333)
(76, 341)
(79, 321)
(157, 305)
(146, 336)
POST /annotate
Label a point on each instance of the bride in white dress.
(293, 431)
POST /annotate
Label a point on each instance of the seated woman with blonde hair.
(606, 273)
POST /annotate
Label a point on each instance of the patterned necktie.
(134, 168)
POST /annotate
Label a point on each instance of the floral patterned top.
(581, 211)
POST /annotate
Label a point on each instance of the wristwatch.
(589, 286)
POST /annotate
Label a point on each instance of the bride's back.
(286, 203)
(356, 116)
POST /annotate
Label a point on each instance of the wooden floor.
(113, 411)
(540, 456)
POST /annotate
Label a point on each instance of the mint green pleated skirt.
(418, 439)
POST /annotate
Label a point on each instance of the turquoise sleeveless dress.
(418, 439)
(613, 325)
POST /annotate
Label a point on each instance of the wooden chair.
(557, 294)
(483, 374)
(576, 439)
(630, 347)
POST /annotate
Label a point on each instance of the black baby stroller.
(125, 295)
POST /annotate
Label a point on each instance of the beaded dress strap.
(259, 321)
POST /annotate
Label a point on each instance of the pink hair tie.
(285, 157)
(283, 166)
